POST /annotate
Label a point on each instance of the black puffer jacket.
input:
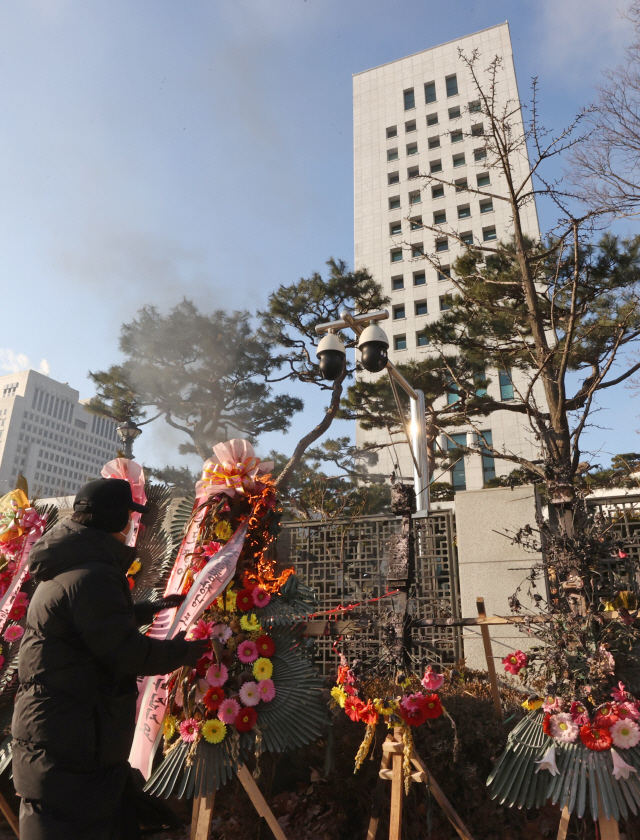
(75, 709)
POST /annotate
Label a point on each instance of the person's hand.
(169, 602)
(196, 648)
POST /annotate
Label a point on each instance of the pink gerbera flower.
(552, 704)
(217, 675)
(229, 710)
(563, 728)
(249, 694)
(260, 597)
(21, 598)
(247, 652)
(202, 630)
(515, 662)
(266, 690)
(625, 734)
(222, 633)
(579, 713)
(413, 702)
(432, 681)
(619, 693)
(13, 633)
(189, 730)
(628, 710)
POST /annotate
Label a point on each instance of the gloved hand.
(168, 602)
(145, 610)
(195, 649)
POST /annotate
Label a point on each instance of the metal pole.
(419, 443)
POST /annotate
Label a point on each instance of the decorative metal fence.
(347, 562)
(622, 517)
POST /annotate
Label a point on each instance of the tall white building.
(47, 436)
(417, 115)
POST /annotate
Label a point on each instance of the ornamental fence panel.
(347, 562)
(622, 517)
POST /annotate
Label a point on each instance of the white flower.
(563, 728)
(221, 632)
(548, 762)
(625, 733)
(620, 766)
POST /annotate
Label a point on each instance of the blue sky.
(151, 149)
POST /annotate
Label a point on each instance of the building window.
(399, 313)
(486, 206)
(440, 217)
(415, 198)
(400, 342)
(435, 166)
(421, 339)
(421, 307)
(506, 385)
(482, 390)
(409, 100)
(412, 149)
(396, 255)
(458, 478)
(477, 130)
(410, 126)
(457, 136)
(434, 142)
(413, 172)
(488, 463)
(430, 92)
(394, 203)
(417, 251)
(453, 396)
(392, 131)
(461, 185)
(395, 228)
(474, 106)
(446, 302)
(479, 154)
(458, 160)
(442, 244)
(444, 272)
(392, 154)
(467, 238)
(484, 180)
(464, 211)
(488, 234)
(416, 223)
(437, 192)
(454, 113)
(432, 119)
(397, 283)
(419, 278)
(393, 178)
(452, 85)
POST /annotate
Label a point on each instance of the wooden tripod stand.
(391, 770)
(203, 809)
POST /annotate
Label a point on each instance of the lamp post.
(128, 432)
(373, 345)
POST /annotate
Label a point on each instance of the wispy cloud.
(12, 362)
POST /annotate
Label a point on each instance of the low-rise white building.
(47, 435)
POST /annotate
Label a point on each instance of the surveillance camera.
(332, 356)
(373, 346)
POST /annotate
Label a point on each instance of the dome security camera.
(373, 346)
(332, 356)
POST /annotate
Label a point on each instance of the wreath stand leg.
(609, 829)
(392, 754)
(9, 816)
(203, 809)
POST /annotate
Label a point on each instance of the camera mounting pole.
(417, 438)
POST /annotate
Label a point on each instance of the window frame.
(440, 187)
(450, 82)
(428, 98)
(394, 129)
(413, 172)
(408, 130)
(398, 279)
(391, 152)
(434, 142)
(488, 230)
(420, 275)
(435, 166)
(461, 208)
(439, 242)
(431, 121)
(440, 214)
(397, 309)
(412, 149)
(397, 339)
(394, 206)
(459, 160)
(486, 206)
(393, 178)
(398, 231)
(420, 303)
(394, 253)
(413, 199)
(409, 95)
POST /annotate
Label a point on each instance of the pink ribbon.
(134, 474)
(234, 469)
(37, 526)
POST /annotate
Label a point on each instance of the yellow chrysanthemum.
(530, 705)
(135, 567)
(262, 669)
(250, 623)
(385, 709)
(339, 695)
(214, 731)
(230, 599)
(169, 727)
(223, 530)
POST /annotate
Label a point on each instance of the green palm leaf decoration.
(295, 602)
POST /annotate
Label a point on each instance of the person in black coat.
(82, 651)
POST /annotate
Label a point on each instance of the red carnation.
(266, 646)
(244, 600)
(546, 725)
(246, 719)
(213, 698)
(594, 738)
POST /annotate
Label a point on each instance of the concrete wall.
(490, 566)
